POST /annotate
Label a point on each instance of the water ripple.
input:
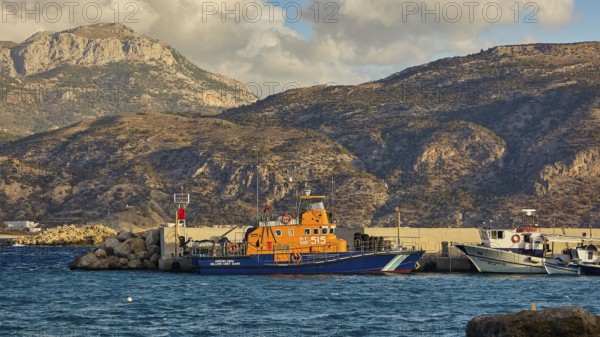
(41, 297)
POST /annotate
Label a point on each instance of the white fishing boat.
(516, 257)
(517, 250)
(527, 251)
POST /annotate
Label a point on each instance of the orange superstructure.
(288, 237)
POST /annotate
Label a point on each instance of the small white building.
(30, 226)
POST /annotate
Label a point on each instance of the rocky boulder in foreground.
(559, 322)
(125, 250)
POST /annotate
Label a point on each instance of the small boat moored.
(558, 267)
(519, 250)
(582, 260)
(525, 250)
(496, 260)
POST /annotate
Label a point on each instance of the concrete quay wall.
(428, 239)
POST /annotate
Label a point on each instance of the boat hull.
(342, 263)
(558, 268)
(590, 269)
(491, 260)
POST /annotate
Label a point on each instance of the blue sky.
(302, 27)
(583, 27)
(586, 26)
(558, 21)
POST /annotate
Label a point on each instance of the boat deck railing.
(366, 243)
(217, 249)
(293, 254)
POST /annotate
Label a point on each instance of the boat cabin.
(312, 231)
(519, 240)
(585, 254)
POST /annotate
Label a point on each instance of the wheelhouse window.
(497, 234)
(278, 232)
(324, 230)
(331, 230)
(317, 206)
(307, 231)
(316, 231)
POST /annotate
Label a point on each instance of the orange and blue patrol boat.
(304, 244)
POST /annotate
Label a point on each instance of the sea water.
(40, 296)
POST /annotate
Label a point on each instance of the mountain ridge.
(95, 170)
(543, 109)
(454, 142)
(54, 79)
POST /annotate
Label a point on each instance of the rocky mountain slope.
(454, 142)
(466, 139)
(123, 170)
(55, 79)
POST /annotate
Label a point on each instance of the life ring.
(232, 247)
(296, 257)
(286, 219)
(516, 238)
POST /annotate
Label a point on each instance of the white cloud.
(352, 41)
(528, 39)
(554, 12)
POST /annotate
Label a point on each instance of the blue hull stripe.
(590, 269)
(351, 263)
(394, 263)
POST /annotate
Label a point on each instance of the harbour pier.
(440, 255)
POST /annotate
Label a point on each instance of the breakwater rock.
(125, 250)
(564, 321)
(69, 235)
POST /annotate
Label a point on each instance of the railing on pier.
(367, 243)
(217, 249)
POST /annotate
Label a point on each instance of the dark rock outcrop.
(124, 235)
(125, 250)
(152, 238)
(137, 244)
(559, 322)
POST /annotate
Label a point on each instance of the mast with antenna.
(332, 193)
(306, 192)
(291, 179)
(257, 211)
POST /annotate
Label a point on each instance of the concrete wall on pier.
(428, 239)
